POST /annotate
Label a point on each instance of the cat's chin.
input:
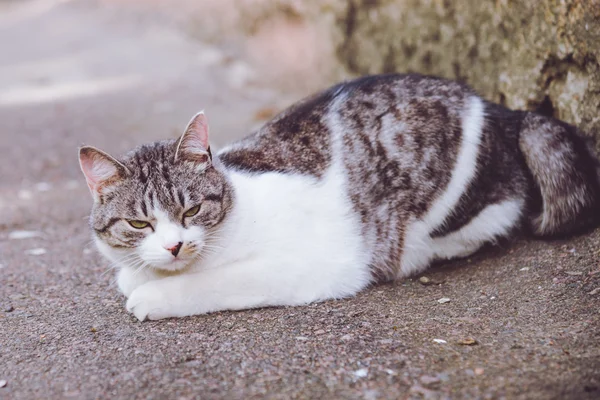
(173, 266)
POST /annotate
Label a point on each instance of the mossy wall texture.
(524, 54)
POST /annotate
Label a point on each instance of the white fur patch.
(465, 167)
(167, 234)
(419, 249)
(493, 221)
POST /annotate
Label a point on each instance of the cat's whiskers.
(111, 268)
(121, 262)
(212, 246)
(202, 244)
(214, 234)
(124, 259)
(143, 265)
(209, 237)
(137, 266)
(203, 250)
(132, 263)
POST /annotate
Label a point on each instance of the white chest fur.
(301, 229)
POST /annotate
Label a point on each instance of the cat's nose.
(175, 249)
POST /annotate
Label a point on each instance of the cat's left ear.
(193, 145)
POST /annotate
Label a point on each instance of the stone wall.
(526, 54)
(536, 55)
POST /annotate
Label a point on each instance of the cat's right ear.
(100, 170)
(193, 145)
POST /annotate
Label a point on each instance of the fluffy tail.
(566, 172)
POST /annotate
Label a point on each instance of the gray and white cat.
(370, 180)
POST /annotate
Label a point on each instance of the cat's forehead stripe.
(181, 197)
(144, 208)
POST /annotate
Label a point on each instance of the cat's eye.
(138, 224)
(192, 211)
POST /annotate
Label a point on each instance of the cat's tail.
(565, 170)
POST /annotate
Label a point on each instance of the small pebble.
(595, 291)
(9, 308)
(43, 186)
(574, 273)
(3, 383)
(440, 341)
(423, 393)
(361, 373)
(319, 332)
(467, 342)
(524, 269)
(17, 235)
(25, 194)
(425, 280)
(265, 113)
(479, 371)
(443, 300)
(428, 380)
(36, 252)
(301, 338)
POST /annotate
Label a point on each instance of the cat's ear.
(193, 145)
(100, 170)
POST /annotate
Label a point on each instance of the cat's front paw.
(128, 280)
(149, 301)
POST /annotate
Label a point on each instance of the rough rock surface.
(524, 54)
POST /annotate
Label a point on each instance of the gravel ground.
(522, 320)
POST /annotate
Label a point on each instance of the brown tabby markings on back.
(397, 161)
(294, 141)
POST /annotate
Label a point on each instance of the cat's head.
(161, 204)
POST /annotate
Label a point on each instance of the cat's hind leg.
(494, 221)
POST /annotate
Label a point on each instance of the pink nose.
(175, 249)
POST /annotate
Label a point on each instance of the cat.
(368, 181)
